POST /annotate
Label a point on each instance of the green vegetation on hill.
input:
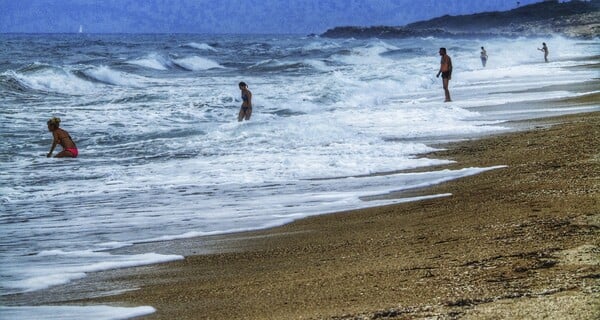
(527, 14)
(580, 19)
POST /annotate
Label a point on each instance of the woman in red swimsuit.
(63, 138)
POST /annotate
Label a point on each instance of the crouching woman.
(63, 138)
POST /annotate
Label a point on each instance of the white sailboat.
(80, 29)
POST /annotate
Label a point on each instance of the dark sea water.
(162, 155)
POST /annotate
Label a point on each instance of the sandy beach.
(519, 242)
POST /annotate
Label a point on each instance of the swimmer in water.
(246, 109)
(446, 72)
(63, 138)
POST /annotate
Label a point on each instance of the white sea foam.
(74, 312)
(200, 46)
(321, 45)
(54, 80)
(152, 61)
(196, 63)
(317, 64)
(107, 75)
(368, 55)
(37, 277)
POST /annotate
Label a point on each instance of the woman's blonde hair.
(55, 121)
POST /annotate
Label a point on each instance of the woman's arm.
(54, 143)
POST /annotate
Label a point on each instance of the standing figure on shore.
(446, 71)
(62, 137)
(246, 109)
(545, 50)
(484, 57)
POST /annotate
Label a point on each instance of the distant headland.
(574, 19)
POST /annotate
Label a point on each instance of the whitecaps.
(152, 61)
(107, 75)
(196, 63)
(53, 80)
(200, 46)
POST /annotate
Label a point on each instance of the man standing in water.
(446, 71)
(63, 138)
(545, 50)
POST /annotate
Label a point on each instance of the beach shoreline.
(437, 257)
(516, 242)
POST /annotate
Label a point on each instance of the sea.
(336, 125)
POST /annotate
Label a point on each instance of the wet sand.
(521, 242)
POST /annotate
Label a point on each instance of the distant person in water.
(246, 109)
(484, 57)
(544, 49)
(446, 72)
(63, 138)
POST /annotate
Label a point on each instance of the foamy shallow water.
(73, 312)
(162, 156)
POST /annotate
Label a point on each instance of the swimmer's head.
(54, 122)
(242, 84)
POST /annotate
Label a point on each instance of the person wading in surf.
(544, 49)
(246, 109)
(63, 138)
(446, 71)
(484, 57)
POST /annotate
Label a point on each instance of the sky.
(227, 16)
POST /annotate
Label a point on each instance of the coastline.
(574, 19)
(517, 242)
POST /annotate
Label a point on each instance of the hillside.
(579, 19)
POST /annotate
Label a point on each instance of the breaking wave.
(200, 46)
(196, 63)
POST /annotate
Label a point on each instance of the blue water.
(162, 155)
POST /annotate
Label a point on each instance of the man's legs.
(446, 91)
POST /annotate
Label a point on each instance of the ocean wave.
(319, 46)
(277, 65)
(35, 67)
(46, 79)
(199, 46)
(158, 62)
(196, 63)
(11, 83)
(106, 75)
(405, 52)
(153, 61)
(372, 53)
